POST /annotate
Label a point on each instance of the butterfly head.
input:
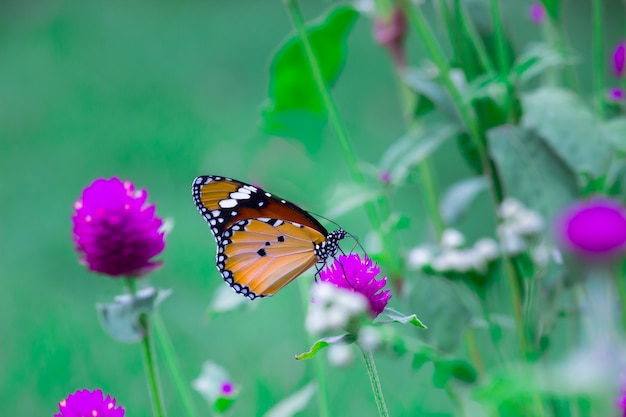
(329, 247)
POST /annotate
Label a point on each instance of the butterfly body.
(263, 242)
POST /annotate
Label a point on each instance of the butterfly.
(263, 241)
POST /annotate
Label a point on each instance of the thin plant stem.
(376, 388)
(455, 399)
(474, 353)
(502, 52)
(467, 25)
(173, 364)
(149, 359)
(432, 200)
(618, 277)
(598, 57)
(318, 365)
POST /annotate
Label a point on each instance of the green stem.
(149, 358)
(618, 277)
(432, 201)
(502, 52)
(467, 26)
(598, 57)
(455, 399)
(376, 388)
(173, 364)
(320, 371)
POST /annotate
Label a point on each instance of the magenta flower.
(619, 58)
(390, 34)
(616, 94)
(537, 12)
(227, 388)
(385, 177)
(621, 403)
(115, 231)
(85, 403)
(358, 275)
(594, 229)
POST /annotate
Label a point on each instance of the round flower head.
(115, 231)
(616, 94)
(594, 228)
(358, 275)
(85, 403)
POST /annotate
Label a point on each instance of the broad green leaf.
(295, 403)
(121, 317)
(535, 61)
(325, 342)
(398, 317)
(294, 107)
(569, 127)
(488, 85)
(531, 170)
(347, 197)
(414, 147)
(423, 83)
(458, 198)
(615, 133)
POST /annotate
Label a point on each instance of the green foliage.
(295, 108)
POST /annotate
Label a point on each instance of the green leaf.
(553, 7)
(398, 317)
(535, 61)
(294, 108)
(414, 147)
(347, 197)
(458, 198)
(121, 317)
(424, 84)
(531, 170)
(447, 369)
(346, 338)
(615, 133)
(295, 403)
(569, 127)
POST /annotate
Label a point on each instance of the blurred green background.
(159, 92)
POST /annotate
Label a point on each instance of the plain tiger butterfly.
(263, 241)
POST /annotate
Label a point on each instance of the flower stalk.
(370, 365)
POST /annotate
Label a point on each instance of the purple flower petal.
(616, 94)
(89, 403)
(115, 232)
(537, 12)
(619, 58)
(358, 275)
(594, 229)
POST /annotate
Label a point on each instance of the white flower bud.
(340, 355)
(509, 208)
(418, 257)
(452, 238)
(369, 338)
(529, 223)
(486, 248)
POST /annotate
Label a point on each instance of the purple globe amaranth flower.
(616, 94)
(85, 403)
(594, 229)
(115, 231)
(621, 403)
(619, 58)
(227, 388)
(358, 274)
(537, 12)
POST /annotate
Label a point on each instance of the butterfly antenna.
(355, 238)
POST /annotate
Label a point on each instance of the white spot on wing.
(230, 203)
(240, 196)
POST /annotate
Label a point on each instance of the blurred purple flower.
(85, 403)
(537, 12)
(593, 229)
(619, 57)
(390, 32)
(115, 231)
(616, 94)
(385, 177)
(358, 275)
(621, 403)
(227, 388)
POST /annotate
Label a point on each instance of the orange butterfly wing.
(263, 241)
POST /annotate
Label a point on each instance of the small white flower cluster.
(450, 257)
(333, 308)
(519, 226)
